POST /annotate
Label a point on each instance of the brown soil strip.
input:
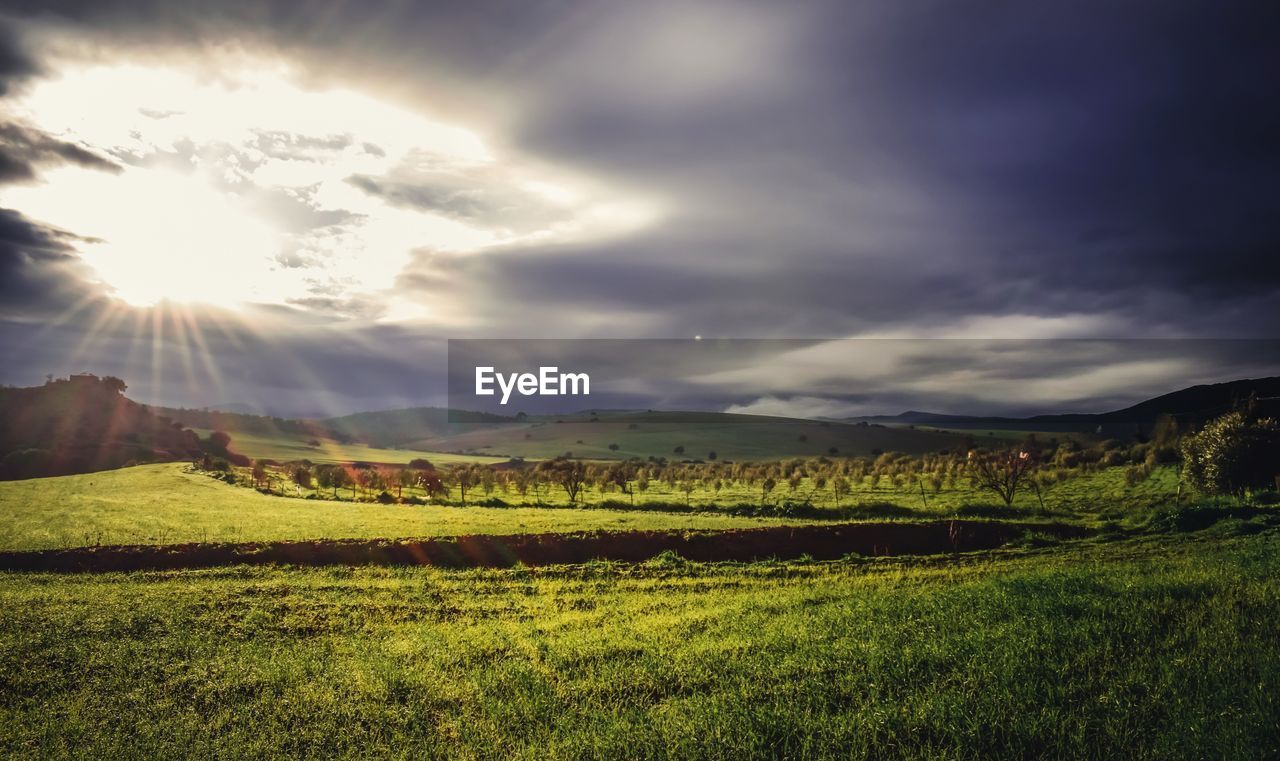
(825, 542)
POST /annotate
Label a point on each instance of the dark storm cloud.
(22, 149)
(1096, 153)
(1125, 140)
(828, 168)
(15, 63)
(39, 272)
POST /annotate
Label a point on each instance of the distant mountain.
(82, 424)
(1192, 405)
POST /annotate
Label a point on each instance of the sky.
(291, 207)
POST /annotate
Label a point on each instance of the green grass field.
(165, 504)
(1154, 649)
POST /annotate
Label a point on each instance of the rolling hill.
(401, 434)
(83, 423)
(395, 436)
(1192, 406)
(684, 435)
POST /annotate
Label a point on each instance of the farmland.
(284, 447)
(165, 504)
(618, 435)
(1163, 647)
(400, 435)
(889, 605)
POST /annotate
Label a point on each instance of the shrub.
(1233, 454)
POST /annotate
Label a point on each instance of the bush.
(1233, 454)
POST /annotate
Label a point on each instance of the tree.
(522, 479)
(302, 476)
(431, 482)
(619, 476)
(464, 477)
(488, 480)
(341, 478)
(406, 477)
(1002, 471)
(679, 449)
(324, 478)
(367, 479)
(767, 486)
(259, 472)
(569, 474)
(839, 488)
(1233, 454)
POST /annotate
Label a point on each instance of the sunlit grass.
(164, 504)
(1152, 650)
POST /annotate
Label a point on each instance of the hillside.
(684, 435)
(81, 424)
(396, 428)
(1192, 405)
(243, 422)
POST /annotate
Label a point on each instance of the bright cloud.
(250, 188)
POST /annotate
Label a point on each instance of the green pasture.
(1163, 648)
(166, 504)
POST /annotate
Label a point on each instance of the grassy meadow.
(1146, 649)
(1153, 638)
(167, 504)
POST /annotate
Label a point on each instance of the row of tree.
(1235, 453)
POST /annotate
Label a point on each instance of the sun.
(164, 235)
(249, 188)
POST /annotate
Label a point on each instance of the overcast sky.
(290, 205)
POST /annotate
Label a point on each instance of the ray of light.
(157, 352)
(109, 317)
(203, 352)
(181, 343)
